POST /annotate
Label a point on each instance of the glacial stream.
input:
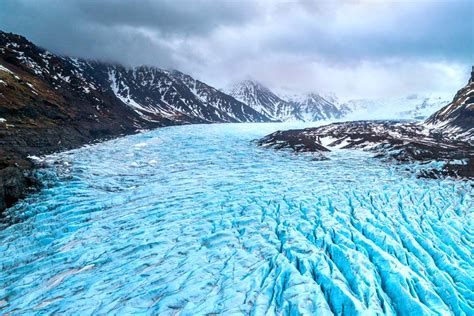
(197, 219)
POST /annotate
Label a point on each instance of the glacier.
(197, 220)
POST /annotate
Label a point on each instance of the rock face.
(13, 184)
(456, 120)
(50, 103)
(446, 136)
(293, 139)
(309, 107)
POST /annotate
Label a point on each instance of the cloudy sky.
(365, 48)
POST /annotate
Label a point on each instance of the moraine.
(198, 219)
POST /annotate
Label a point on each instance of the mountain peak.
(296, 107)
(260, 98)
(249, 85)
(13, 38)
(457, 118)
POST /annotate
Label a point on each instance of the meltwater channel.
(197, 219)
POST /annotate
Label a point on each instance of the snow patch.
(5, 69)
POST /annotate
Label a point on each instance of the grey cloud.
(423, 30)
(294, 40)
(132, 32)
(168, 16)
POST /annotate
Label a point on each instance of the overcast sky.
(365, 48)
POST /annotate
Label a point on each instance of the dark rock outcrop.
(292, 139)
(13, 184)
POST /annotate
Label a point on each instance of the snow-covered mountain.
(150, 90)
(307, 107)
(314, 107)
(156, 95)
(409, 107)
(229, 108)
(263, 100)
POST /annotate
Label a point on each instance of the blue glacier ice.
(197, 219)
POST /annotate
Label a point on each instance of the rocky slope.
(456, 120)
(447, 137)
(308, 107)
(50, 103)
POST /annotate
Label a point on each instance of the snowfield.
(197, 219)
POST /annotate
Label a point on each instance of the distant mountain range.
(308, 107)
(50, 103)
(145, 97)
(316, 107)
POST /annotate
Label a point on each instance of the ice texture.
(197, 219)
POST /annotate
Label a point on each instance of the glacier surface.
(196, 219)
